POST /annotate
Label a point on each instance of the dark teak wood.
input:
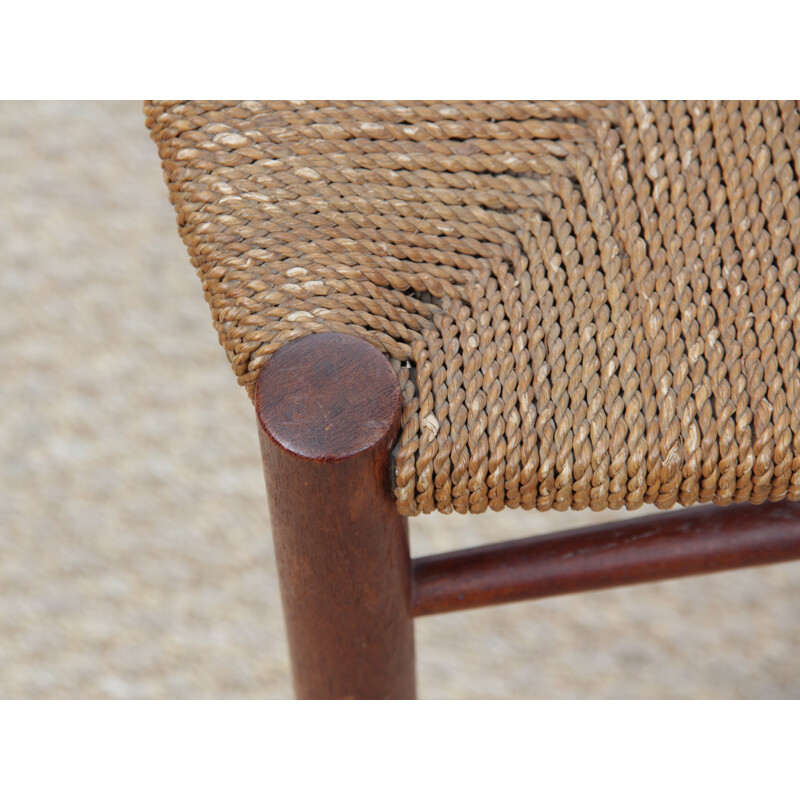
(328, 407)
(691, 542)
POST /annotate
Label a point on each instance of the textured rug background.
(135, 554)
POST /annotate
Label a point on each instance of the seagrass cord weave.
(587, 304)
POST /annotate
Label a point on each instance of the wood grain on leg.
(328, 407)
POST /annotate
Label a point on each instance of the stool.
(472, 306)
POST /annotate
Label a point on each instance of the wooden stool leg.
(328, 408)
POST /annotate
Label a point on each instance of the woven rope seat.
(588, 305)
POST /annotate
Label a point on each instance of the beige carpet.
(135, 553)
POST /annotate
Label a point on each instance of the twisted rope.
(588, 305)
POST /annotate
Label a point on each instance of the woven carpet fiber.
(135, 553)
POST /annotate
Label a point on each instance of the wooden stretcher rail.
(691, 542)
